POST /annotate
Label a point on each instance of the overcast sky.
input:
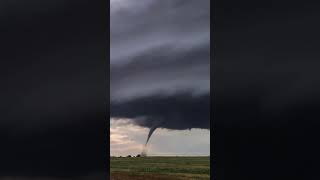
(160, 74)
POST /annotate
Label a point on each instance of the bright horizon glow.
(128, 139)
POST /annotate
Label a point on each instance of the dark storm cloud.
(53, 90)
(266, 90)
(160, 63)
(180, 111)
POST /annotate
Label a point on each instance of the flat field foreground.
(160, 168)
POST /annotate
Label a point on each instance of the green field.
(157, 168)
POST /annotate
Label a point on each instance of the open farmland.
(158, 168)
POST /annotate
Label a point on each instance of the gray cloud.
(161, 47)
(160, 63)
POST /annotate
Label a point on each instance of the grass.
(160, 168)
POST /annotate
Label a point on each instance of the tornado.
(152, 129)
(144, 149)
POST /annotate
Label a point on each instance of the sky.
(160, 75)
(129, 139)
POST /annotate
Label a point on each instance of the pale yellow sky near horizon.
(129, 139)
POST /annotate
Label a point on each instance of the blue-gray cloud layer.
(160, 62)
